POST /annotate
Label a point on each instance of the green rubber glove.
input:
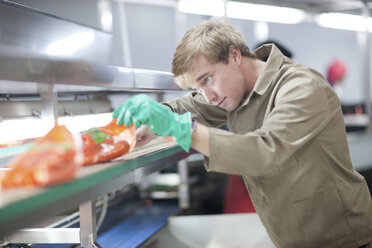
(142, 110)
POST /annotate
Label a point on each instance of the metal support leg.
(49, 99)
(86, 234)
(88, 231)
(184, 194)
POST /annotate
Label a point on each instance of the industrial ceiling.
(318, 6)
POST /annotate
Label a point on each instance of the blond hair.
(213, 39)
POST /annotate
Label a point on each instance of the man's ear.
(235, 54)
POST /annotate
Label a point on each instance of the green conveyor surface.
(20, 207)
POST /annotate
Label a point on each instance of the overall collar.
(274, 61)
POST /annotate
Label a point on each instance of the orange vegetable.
(108, 142)
(53, 159)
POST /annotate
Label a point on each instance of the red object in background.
(237, 199)
(105, 143)
(53, 159)
(336, 72)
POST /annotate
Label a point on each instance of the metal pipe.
(45, 236)
(124, 35)
(366, 66)
(184, 194)
(88, 232)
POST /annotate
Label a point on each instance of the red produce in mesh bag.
(52, 159)
(105, 143)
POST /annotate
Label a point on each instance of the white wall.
(316, 46)
(153, 33)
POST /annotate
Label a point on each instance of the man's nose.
(209, 95)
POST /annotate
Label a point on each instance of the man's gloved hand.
(142, 110)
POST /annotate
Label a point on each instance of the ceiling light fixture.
(344, 21)
(265, 13)
(205, 7)
(248, 11)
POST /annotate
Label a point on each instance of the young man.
(287, 136)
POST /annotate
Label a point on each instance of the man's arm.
(142, 110)
(200, 139)
(201, 111)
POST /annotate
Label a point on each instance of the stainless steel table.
(213, 231)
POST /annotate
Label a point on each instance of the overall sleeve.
(203, 112)
(303, 107)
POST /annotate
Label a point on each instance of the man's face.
(221, 84)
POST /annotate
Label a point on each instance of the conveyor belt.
(156, 144)
(22, 207)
